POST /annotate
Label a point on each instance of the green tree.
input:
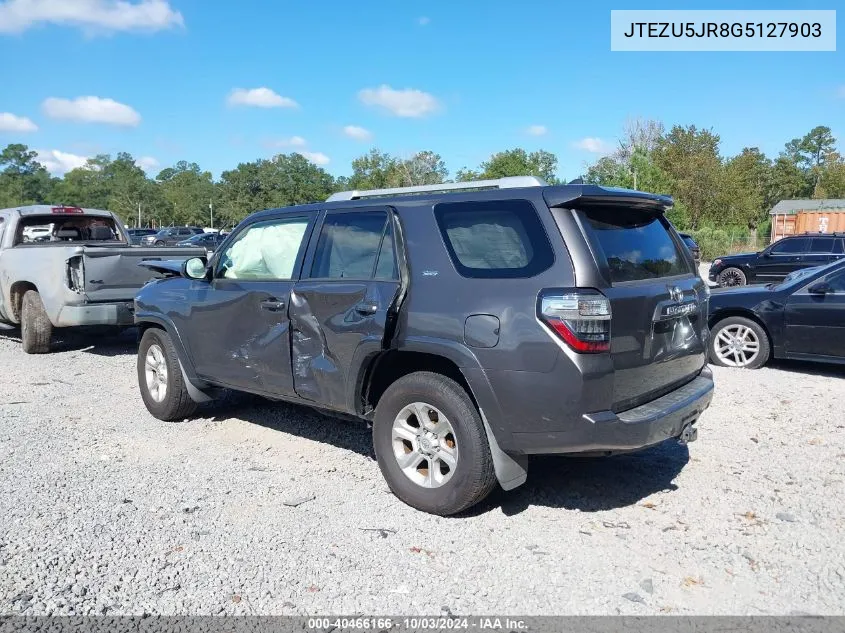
(745, 191)
(282, 181)
(515, 162)
(189, 191)
(23, 180)
(690, 159)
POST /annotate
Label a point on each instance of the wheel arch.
(16, 292)
(196, 386)
(385, 368)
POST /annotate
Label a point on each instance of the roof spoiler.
(573, 196)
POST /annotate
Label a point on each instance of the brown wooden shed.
(791, 217)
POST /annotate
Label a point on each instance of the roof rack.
(510, 182)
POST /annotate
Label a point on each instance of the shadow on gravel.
(350, 435)
(588, 484)
(592, 484)
(98, 341)
(826, 370)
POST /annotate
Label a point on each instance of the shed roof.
(791, 207)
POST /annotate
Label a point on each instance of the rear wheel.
(739, 342)
(731, 277)
(431, 444)
(36, 329)
(160, 378)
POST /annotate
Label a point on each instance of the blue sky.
(466, 78)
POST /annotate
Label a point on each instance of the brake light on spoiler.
(580, 317)
(67, 210)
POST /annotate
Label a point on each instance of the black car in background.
(209, 240)
(137, 235)
(800, 318)
(171, 235)
(778, 260)
(692, 245)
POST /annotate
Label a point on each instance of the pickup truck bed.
(72, 280)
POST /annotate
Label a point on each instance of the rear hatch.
(112, 273)
(658, 303)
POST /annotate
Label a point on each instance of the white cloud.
(17, 16)
(424, 21)
(13, 123)
(318, 158)
(147, 163)
(403, 103)
(260, 98)
(293, 141)
(58, 162)
(594, 145)
(536, 130)
(357, 132)
(91, 110)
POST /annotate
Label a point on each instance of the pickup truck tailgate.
(113, 273)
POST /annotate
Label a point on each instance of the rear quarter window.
(496, 239)
(635, 244)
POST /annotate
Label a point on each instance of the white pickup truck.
(80, 271)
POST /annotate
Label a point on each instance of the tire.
(159, 243)
(36, 329)
(174, 403)
(733, 328)
(432, 490)
(731, 276)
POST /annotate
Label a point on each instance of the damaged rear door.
(343, 308)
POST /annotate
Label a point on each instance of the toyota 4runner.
(474, 324)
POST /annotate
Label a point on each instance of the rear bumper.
(667, 417)
(119, 313)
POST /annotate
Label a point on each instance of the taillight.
(581, 318)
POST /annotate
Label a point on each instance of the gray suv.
(171, 236)
(473, 324)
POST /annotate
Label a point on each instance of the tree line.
(710, 190)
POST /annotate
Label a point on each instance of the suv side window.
(821, 245)
(356, 245)
(495, 239)
(264, 251)
(790, 246)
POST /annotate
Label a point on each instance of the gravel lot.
(104, 509)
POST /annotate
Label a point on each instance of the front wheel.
(431, 444)
(160, 378)
(731, 277)
(159, 243)
(739, 342)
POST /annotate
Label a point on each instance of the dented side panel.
(331, 321)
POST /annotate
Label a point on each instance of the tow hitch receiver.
(689, 434)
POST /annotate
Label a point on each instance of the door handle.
(273, 305)
(366, 308)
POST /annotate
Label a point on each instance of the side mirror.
(821, 288)
(195, 268)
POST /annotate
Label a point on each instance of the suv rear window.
(635, 244)
(497, 239)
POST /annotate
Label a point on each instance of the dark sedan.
(800, 318)
(209, 240)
